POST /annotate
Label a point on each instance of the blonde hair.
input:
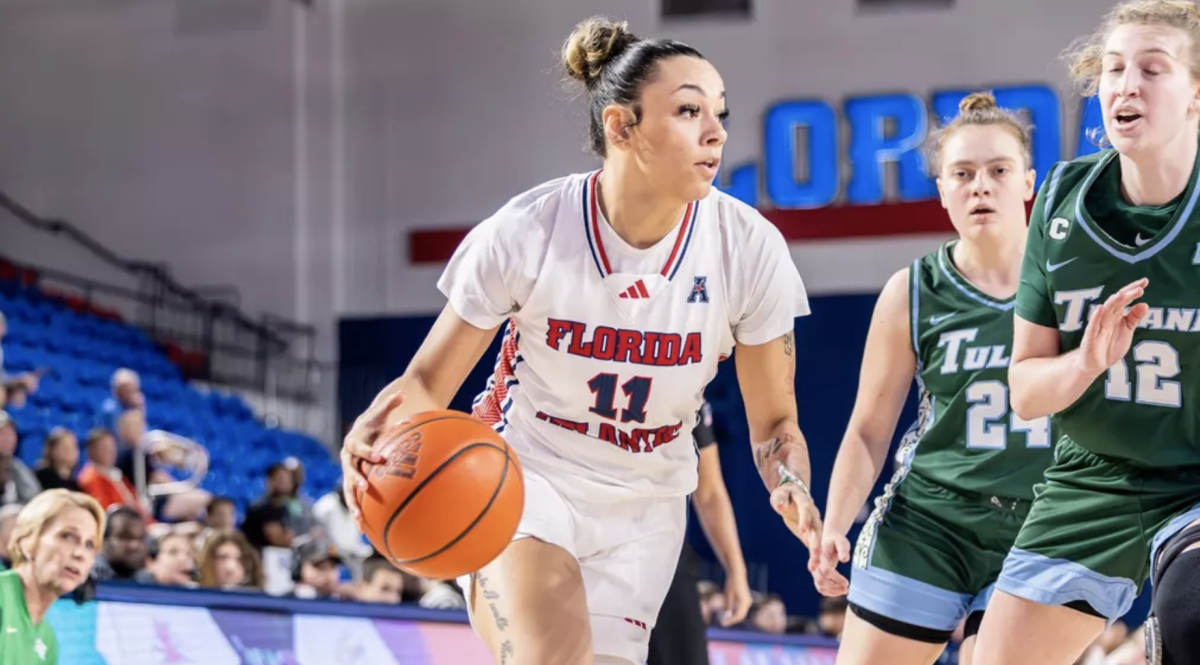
(980, 109)
(591, 46)
(1085, 55)
(42, 511)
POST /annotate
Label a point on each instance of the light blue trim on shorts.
(1057, 582)
(980, 601)
(1172, 528)
(905, 599)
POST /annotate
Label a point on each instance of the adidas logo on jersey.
(636, 292)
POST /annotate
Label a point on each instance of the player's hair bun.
(977, 101)
(593, 44)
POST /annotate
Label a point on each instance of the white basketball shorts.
(627, 551)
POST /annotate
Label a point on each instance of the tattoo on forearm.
(506, 652)
(770, 454)
(764, 453)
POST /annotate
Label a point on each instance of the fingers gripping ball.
(447, 498)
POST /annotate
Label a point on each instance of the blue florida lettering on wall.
(884, 130)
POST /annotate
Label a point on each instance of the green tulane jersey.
(1085, 243)
(22, 643)
(966, 438)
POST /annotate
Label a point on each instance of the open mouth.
(1125, 118)
(711, 163)
(982, 210)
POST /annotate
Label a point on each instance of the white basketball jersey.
(608, 348)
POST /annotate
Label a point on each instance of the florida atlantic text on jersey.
(607, 347)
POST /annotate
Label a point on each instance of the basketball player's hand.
(359, 447)
(799, 512)
(738, 599)
(823, 563)
(1109, 331)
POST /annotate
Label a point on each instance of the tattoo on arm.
(786, 450)
(789, 349)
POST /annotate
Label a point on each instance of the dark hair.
(124, 512)
(613, 64)
(376, 564)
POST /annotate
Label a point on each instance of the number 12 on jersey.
(989, 406)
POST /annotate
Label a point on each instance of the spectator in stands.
(300, 510)
(220, 515)
(102, 479)
(126, 394)
(28, 381)
(20, 484)
(185, 505)
(124, 551)
(60, 456)
(279, 516)
(8, 521)
(129, 428)
(769, 615)
(381, 582)
(712, 602)
(832, 618)
(229, 563)
(433, 594)
(171, 561)
(6, 481)
(15, 395)
(315, 570)
(331, 513)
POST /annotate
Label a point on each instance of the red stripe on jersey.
(594, 210)
(596, 224)
(641, 287)
(687, 221)
(490, 408)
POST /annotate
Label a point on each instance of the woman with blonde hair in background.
(52, 548)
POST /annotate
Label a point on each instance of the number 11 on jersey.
(637, 390)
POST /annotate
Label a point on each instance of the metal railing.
(229, 347)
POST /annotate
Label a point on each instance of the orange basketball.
(447, 498)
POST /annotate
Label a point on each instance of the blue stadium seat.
(81, 353)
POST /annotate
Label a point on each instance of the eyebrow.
(997, 160)
(693, 86)
(1153, 49)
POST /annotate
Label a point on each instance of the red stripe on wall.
(833, 223)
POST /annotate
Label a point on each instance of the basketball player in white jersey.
(619, 291)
